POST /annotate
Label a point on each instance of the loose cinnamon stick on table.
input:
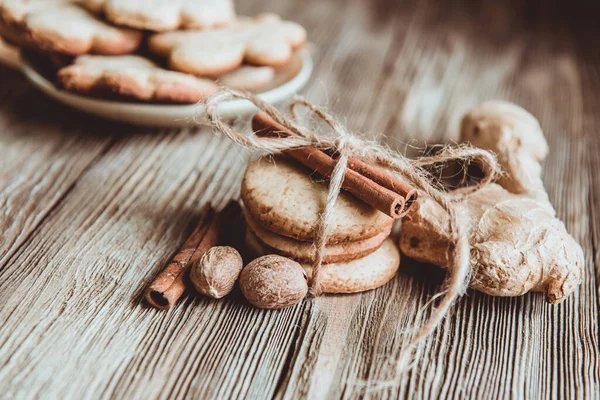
(172, 282)
(370, 184)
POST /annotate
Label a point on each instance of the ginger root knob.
(517, 243)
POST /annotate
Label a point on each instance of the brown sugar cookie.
(354, 276)
(137, 77)
(262, 40)
(282, 198)
(64, 27)
(133, 76)
(164, 15)
(305, 251)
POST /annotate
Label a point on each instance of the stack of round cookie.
(282, 204)
(165, 51)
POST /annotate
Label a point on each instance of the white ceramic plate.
(288, 81)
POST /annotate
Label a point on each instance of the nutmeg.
(273, 281)
(215, 273)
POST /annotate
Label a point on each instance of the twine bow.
(348, 145)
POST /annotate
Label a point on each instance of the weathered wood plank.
(119, 224)
(43, 151)
(490, 347)
(590, 79)
(104, 212)
(139, 213)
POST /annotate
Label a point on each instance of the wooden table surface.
(90, 211)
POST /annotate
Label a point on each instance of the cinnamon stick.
(172, 282)
(369, 184)
(386, 180)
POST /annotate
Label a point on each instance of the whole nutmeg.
(214, 275)
(273, 282)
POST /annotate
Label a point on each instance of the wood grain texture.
(91, 211)
(43, 155)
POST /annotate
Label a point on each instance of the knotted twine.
(413, 171)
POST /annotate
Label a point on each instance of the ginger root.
(517, 243)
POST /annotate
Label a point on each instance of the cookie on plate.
(64, 27)
(282, 198)
(164, 15)
(370, 272)
(137, 77)
(306, 251)
(9, 55)
(262, 40)
(11, 34)
(248, 77)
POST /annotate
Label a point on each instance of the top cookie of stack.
(194, 45)
(282, 209)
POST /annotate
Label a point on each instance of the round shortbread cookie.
(64, 27)
(282, 198)
(305, 251)
(164, 15)
(359, 275)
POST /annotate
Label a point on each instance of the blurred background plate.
(288, 80)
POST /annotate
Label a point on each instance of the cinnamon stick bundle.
(368, 183)
(171, 283)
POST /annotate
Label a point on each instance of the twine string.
(348, 145)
